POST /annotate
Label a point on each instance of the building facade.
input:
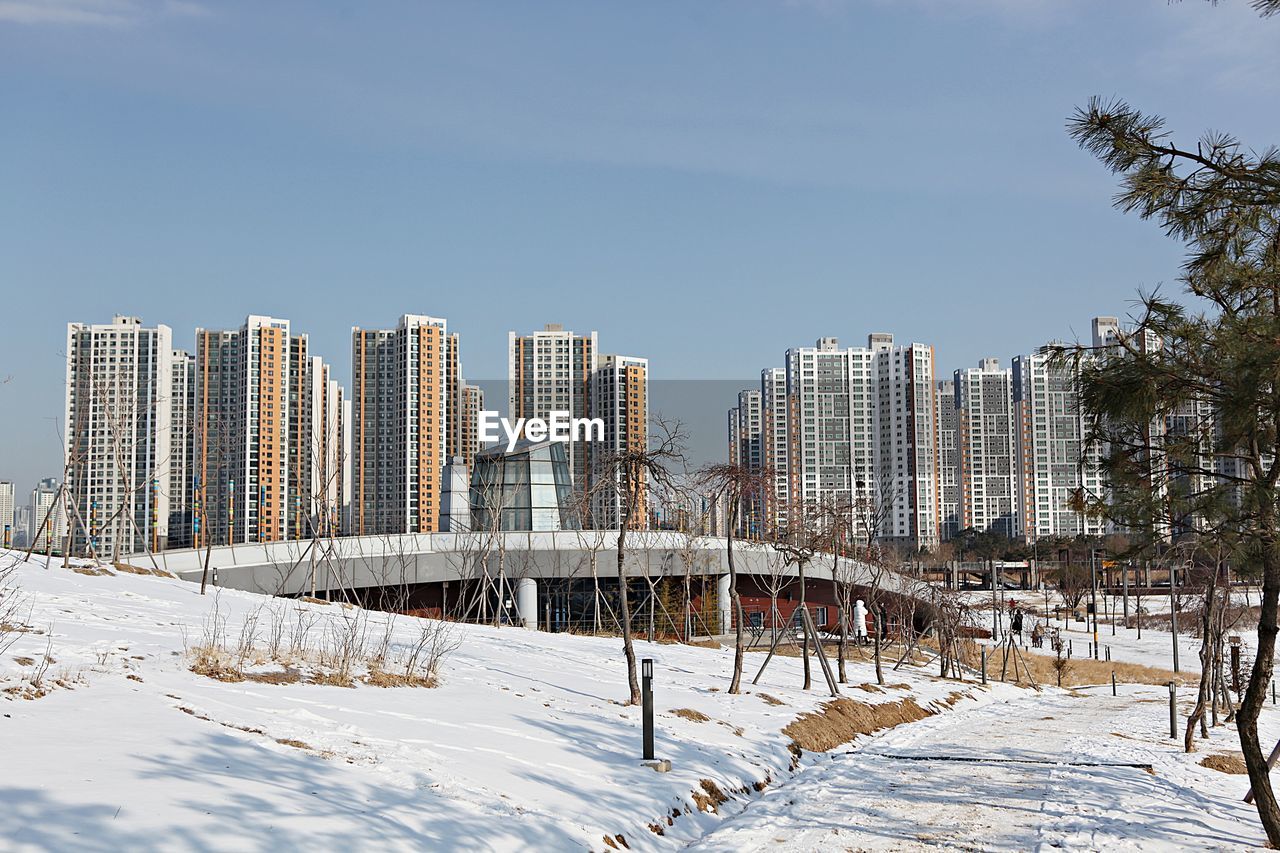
(906, 443)
(400, 396)
(831, 453)
(552, 371)
(987, 442)
(118, 433)
(8, 530)
(619, 398)
(948, 459)
(47, 519)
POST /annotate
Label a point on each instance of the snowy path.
(998, 777)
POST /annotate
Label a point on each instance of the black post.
(1235, 665)
(984, 664)
(646, 694)
(1113, 682)
(1173, 710)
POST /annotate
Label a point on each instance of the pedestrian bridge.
(522, 559)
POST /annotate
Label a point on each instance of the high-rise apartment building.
(988, 448)
(551, 371)
(1052, 458)
(907, 508)
(263, 429)
(181, 486)
(118, 433)
(746, 439)
(620, 398)
(948, 459)
(241, 452)
(400, 396)
(775, 443)
(318, 444)
(21, 524)
(48, 520)
(831, 453)
(7, 529)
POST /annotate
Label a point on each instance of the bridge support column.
(724, 604)
(527, 602)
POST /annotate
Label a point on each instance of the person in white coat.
(860, 622)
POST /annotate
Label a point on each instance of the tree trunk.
(841, 647)
(735, 684)
(1256, 693)
(804, 633)
(208, 550)
(877, 624)
(1206, 677)
(628, 649)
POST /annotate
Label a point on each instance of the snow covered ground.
(525, 745)
(1154, 648)
(1035, 773)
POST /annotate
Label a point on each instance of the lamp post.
(646, 697)
(1173, 611)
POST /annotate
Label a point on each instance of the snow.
(1033, 773)
(525, 744)
(1154, 648)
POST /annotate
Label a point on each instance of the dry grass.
(380, 678)
(286, 676)
(293, 742)
(841, 720)
(24, 661)
(770, 700)
(92, 571)
(1225, 762)
(867, 687)
(1078, 671)
(710, 798)
(139, 570)
(691, 715)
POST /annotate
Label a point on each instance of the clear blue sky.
(706, 183)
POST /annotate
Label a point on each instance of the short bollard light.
(1173, 710)
(646, 697)
(1235, 663)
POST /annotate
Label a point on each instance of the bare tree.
(742, 486)
(631, 471)
(798, 544)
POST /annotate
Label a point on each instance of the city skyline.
(705, 444)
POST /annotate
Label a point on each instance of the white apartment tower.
(7, 530)
(320, 452)
(118, 433)
(906, 423)
(774, 442)
(747, 449)
(400, 395)
(831, 453)
(948, 459)
(182, 398)
(46, 517)
(988, 448)
(551, 371)
(1051, 454)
